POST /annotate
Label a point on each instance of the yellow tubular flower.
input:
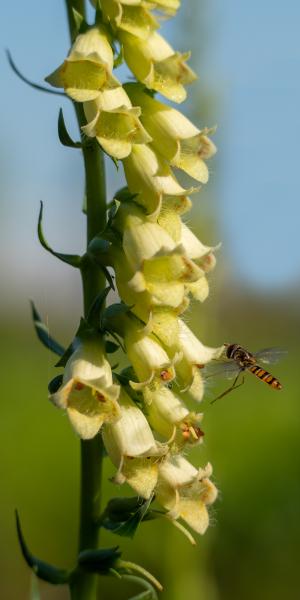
(156, 265)
(168, 415)
(154, 63)
(132, 17)
(149, 176)
(174, 136)
(114, 122)
(87, 392)
(148, 358)
(185, 492)
(88, 67)
(132, 448)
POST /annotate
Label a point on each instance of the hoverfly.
(238, 360)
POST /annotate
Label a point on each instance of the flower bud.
(185, 492)
(154, 63)
(132, 448)
(87, 392)
(88, 67)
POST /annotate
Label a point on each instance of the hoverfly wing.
(270, 356)
(221, 368)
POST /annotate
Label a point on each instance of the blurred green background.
(252, 436)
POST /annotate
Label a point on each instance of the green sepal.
(80, 24)
(42, 569)
(114, 317)
(55, 384)
(111, 347)
(111, 213)
(43, 334)
(96, 309)
(109, 276)
(99, 561)
(124, 195)
(122, 516)
(98, 250)
(71, 259)
(63, 134)
(119, 57)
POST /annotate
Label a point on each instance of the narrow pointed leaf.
(63, 134)
(36, 86)
(43, 334)
(42, 569)
(71, 259)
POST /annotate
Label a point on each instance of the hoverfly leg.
(234, 386)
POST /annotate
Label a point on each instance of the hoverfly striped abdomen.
(265, 376)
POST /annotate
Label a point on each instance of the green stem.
(83, 585)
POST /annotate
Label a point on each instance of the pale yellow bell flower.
(195, 356)
(132, 448)
(114, 122)
(88, 67)
(155, 64)
(174, 136)
(159, 268)
(87, 392)
(148, 358)
(132, 17)
(167, 6)
(186, 491)
(150, 177)
(169, 416)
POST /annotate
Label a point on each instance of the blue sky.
(251, 62)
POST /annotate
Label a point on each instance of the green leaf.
(99, 561)
(71, 259)
(42, 569)
(36, 86)
(43, 334)
(123, 515)
(63, 134)
(55, 384)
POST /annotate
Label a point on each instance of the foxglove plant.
(136, 415)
